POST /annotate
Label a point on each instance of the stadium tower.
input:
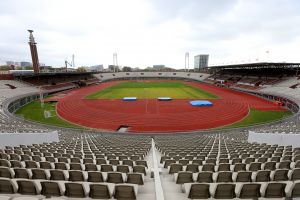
(34, 54)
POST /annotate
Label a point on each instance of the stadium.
(136, 135)
(229, 128)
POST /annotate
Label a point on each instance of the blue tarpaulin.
(201, 103)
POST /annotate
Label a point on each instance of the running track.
(157, 116)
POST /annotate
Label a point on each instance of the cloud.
(147, 32)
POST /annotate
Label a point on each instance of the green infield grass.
(258, 117)
(47, 115)
(152, 90)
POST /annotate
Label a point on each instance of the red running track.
(158, 116)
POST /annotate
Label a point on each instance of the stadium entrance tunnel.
(123, 128)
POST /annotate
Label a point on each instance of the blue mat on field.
(164, 98)
(201, 103)
(129, 99)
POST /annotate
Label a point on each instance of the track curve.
(150, 115)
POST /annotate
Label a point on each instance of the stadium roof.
(52, 74)
(257, 65)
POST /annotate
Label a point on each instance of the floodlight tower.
(73, 61)
(187, 61)
(34, 54)
(115, 61)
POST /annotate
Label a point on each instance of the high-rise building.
(201, 61)
(25, 64)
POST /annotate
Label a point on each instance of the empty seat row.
(73, 175)
(114, 161)
(195, 167)
(242, 190)
(73, 166)
(225, 158)
(259, 176)
(68, 189)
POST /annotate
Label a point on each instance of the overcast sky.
(148, 32)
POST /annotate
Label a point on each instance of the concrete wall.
(275, 138)
(15, 139)
(181, 75)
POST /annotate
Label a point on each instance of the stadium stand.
(97, 165)
(252, 76)
(57, 81)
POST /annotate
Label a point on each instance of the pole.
(34, 54)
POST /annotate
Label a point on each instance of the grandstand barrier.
(153, 75)
(291, 104)
(275, 138)
(15, 139)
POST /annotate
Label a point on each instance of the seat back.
(240, 167)
(107, 168)
(250, 191)
(243, 177)
(205, 177)
(263, 176)
(281, 175)
(199, 191)
(38, 174)
(296, 190)
(5, 172)
(295, 174)
(6, 187)
(57, 175)
(4, 163)
(184, 177)
(275, 190)
(225, 191)
(91, 167)
(194, 167)
(21, 173)
(95, 176)
(123, 168)
(139, 169)
(135, 178)
(224, 177)
(99, 191)
(224, 167)
(74, 190)
(26, 187)
(114, 177)
(124, 192)
(175, 167)
(50, 189)
(76, 176)
(208, 167)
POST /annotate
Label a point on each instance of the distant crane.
(70, 64)
(66, 64)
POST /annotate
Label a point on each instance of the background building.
(25, 64)
(200, 61)
(158, 67)
(97, 68)
(12, 63)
